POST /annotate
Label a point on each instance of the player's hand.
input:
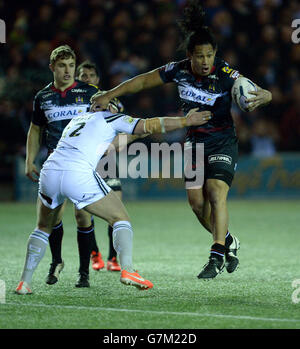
(261, 98)
(195, 118)
(31, 172)
(100, 101)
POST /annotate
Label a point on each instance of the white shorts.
(82, 188)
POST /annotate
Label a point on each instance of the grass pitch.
(170, 248)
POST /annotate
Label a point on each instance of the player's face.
(89, 76)
(202, 59)
(64, 71)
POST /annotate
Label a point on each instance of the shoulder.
(225, 70)
(175, 66)
(169, 71)
(88, 87)
(110, 117)
(43, 91)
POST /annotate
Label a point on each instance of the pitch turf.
(170, 248)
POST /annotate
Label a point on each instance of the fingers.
(193, 110)
(96, 107)
(253, 106)
(206, 114)
(196, 112)
(205, 119)
(96, 95)
(32, 178)
(33, 175)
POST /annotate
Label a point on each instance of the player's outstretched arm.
(167, 124)
(140, 82)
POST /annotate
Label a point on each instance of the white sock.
(122, 240)
(36, 247)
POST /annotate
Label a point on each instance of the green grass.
(170, 248)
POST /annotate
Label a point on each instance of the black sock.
(55, 241)
(93, 242)
(84, 248)
(111, 252)
(217, 251)
(228, 239)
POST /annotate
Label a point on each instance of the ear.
(51, 68)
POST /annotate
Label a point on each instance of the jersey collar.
(63, 93)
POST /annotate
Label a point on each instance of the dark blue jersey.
(212, 92)
(53, 108)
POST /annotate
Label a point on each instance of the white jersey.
(86, 138)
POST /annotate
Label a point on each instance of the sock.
(93, 242)
(217, 251)
(228, 239)
(122, 240)
(36, 247)
(84, 248)
(55, 241)
(111, 252)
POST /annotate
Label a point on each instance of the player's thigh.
(89, 191)
(109, 208)
(60, 213)
(46, 217)
(118, 193)
(221, 162)
(49, 193)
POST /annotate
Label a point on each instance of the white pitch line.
(238, 317)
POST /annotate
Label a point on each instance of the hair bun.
(193, 17)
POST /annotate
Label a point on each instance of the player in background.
(70, 172)
(204, 81)
(53, 107)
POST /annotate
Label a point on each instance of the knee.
(119, 217)
(217, 193)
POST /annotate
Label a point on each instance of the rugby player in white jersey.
(69, 172)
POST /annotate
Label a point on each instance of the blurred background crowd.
(128, 37)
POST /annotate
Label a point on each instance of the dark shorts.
(220, 160)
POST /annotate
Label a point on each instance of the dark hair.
(88, 65)
(193, 28)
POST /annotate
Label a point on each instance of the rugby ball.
(240, 92)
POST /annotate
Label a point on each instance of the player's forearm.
(173, 123)
(160, 125)
(131, 86)
(138, 83)
(167, 124)
(32, 144)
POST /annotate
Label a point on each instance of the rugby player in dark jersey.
(53, 107)
(203, 81)
(88, 73)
